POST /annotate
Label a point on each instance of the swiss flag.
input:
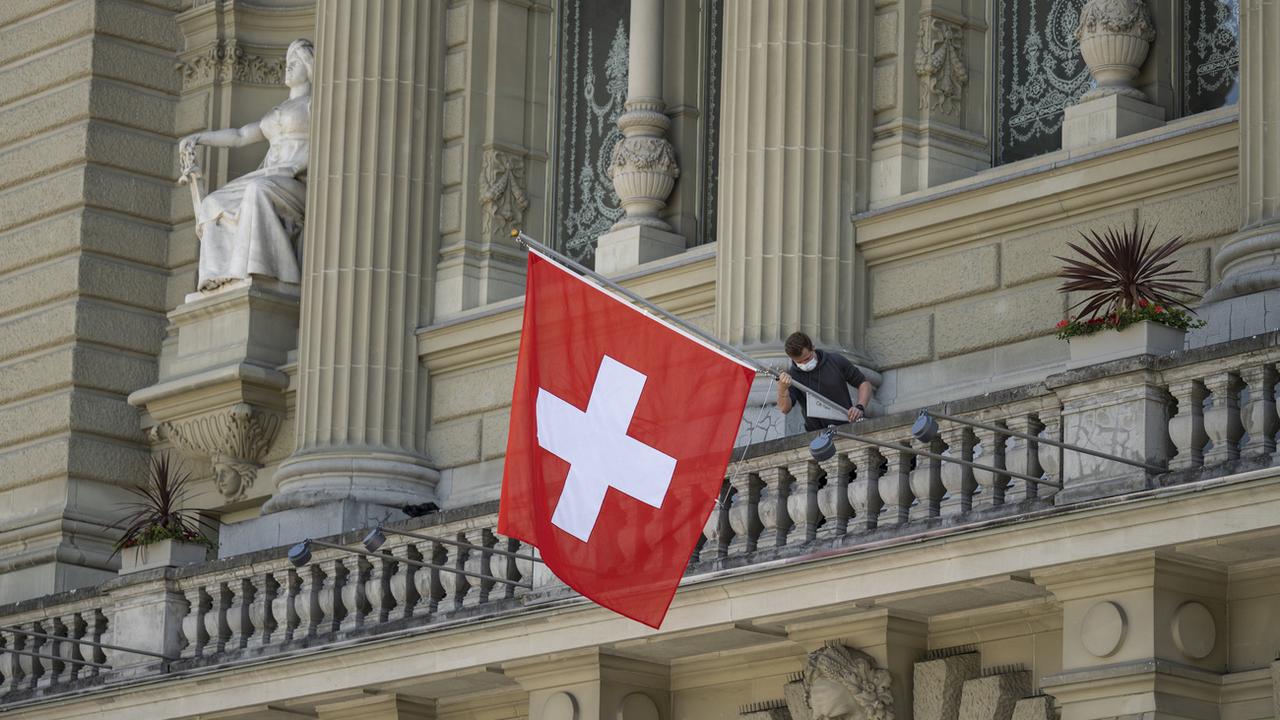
(621, 429)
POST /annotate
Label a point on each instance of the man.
(826, 373)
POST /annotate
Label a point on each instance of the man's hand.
(784, 393)
(855, 414)
(784, 382)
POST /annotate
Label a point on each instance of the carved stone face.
(295, 71)
(830, 701)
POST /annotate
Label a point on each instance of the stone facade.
(856, 197)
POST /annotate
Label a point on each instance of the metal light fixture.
(823, 447)
(925, 428)
(374, 540)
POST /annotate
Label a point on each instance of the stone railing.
(1203, 414)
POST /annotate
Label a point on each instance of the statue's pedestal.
(220, 397)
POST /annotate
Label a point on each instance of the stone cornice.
(1196, 151)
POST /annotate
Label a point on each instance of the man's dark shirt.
(832, 379)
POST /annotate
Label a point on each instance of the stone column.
(360, 388)
(643, 168)
(794, 146)
(1250, 261)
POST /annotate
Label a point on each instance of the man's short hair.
(797, 342)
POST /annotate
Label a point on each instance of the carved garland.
(1128, 17)
(234, 440)
(228, 61)
(940, 65)
(502, 195)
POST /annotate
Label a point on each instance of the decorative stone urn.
(643, 168)
(1115, 36)
(1144, 338)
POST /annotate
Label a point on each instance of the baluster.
(744, 513)
(1186, 429)
(1048, 456)
(864, 489)
(802, 503)
(456, 587)
(283, 608)
(772, 507)
(353, 592)
(1021, 456)
(1258, 410)
(332, 578)
(382, 601)
(1222, 417)
(895, 488)
(239, 627)
(988, 450)
(716, 531)
(403, 582)
(215, 621)
(957, 480)
(73, 628)
(8, 667)
(194, 637)
(34, 668)
(96, 629)
(833, 496)
(477, 561)
(433, 588)
(262, 622)
(517, 569)
(926, 485)
(307, 604)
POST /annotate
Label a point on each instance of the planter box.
(166, 553)
(1144, 338)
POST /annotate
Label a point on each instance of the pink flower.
(1063, 323)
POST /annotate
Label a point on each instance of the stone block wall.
(87, 96)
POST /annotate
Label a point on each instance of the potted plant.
(159, 531)
(1134, 305)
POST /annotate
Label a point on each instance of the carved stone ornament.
(940, 65)
(838, 683)
(1114, 38)
(234, 441)
(227, 61)
(502, 192)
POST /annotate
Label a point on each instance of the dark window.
(1210, 54)
(1040, 73)
(592, 91)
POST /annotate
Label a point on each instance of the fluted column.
(794, 146)
(360, 392)
(1250, 262)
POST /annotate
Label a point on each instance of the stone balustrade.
(1203, 414)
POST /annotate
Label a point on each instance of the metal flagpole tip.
(300, 554)
(374, 539)
(925, 428)
(823, 447)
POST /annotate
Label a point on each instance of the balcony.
(1208, 415)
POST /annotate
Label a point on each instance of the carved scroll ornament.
(234, 440)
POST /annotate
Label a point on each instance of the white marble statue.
(251, 225)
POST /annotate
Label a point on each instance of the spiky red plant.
(1121, 270)
(160, 513)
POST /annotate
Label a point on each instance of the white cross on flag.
(621, 429)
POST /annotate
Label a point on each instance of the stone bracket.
(234, 440)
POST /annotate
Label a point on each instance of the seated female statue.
(250, 225)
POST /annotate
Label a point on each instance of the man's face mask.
(810, 365)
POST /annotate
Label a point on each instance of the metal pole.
(55, 658)
(1048, 441)
(946, 458)
(459, 543)
(531, 244)
(90, 643)
(419, 563)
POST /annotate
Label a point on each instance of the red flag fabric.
(621, 429)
